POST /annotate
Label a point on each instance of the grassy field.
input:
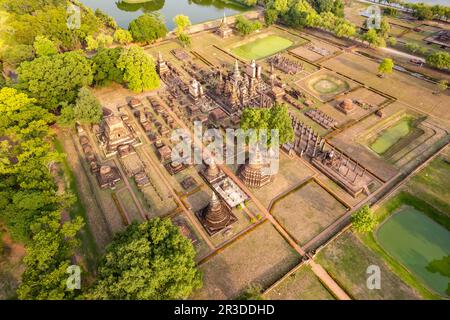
(89, 246)
(432, 184)
(391, 135)
(307, 211)
(411, 90)
(260, 257)
(418, 242)
(301, 285)
(346, 259)
(262, 47)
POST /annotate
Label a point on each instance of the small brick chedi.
(117, 133)
(216, 216)
(254, 173)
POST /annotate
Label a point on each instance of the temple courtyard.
(356, 136)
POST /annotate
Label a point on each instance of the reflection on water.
(124, 11)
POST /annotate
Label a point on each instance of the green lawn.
(419, 243)
(262, 47)
(346, 259)
(391, 135)
(432, 184)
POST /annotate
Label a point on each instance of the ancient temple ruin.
(255, 173)
(341, 168)
(116, 133)
(224, 30)
(216, 216)
(237, 89)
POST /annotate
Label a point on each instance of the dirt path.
(95, 217)
(321, 273)
(188, 213)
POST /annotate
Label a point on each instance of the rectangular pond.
(420, 244)
(392, 135)
(262, 47)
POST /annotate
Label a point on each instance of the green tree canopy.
(386, 66)
(147, 28)
(138, 69)
(244, 26)
(439, 59)
(363, 220)
(88, 109)
(181, 23)
(122, 36)
(105, 66)
(44, 46)
(14, 55)
(373, 38)
(55, 79)
(275, 118)
(152, 260)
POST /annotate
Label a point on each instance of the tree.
(87, 108)
(91, 43)
(104, 40)
(245, 26)
(122, 36)
(363, 220)
(301, 14)
(385, 28)
(138, 69)
(55, 79)
(185, 39)
(181, 23)
(105, 66)
(439, 59)
(44, 46)
(253, 292)
(48, 257)
(372, 37)
(281, 6)
(150, 261)
(412, 47)
(423, 12)
(392, 41)
(14, 55)
(386, 66)
(275, 118)
(343, 28)
(147, 28)
(442, 85)
(29, 202)
(67, 117)
(270, 16)
(338, 8)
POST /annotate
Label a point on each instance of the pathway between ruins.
(337, 291)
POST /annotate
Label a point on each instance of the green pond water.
(420, 244)
(390, 136)
(262, 47)
(198, 10)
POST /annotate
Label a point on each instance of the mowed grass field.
(301, 285)
(432, 183)
(346, 259)
(413, 91)
(262, 47)
(260, 257)
(307, 211)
